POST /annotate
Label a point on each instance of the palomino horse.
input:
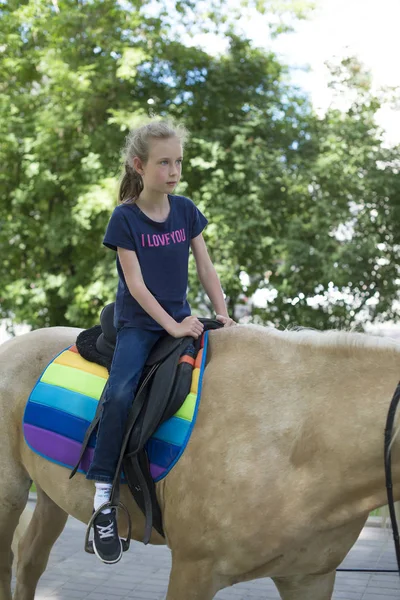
(284, 464)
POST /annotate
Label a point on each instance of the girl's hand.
(190, 326)
(227, 321)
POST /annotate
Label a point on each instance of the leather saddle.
(105, 343)
(162, 389)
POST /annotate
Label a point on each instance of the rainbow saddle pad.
(63, 403)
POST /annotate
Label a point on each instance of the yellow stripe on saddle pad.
(73, 359)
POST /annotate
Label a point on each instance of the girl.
(152, 232)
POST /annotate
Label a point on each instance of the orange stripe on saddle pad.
(186, 359)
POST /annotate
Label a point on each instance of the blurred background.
(293, 109)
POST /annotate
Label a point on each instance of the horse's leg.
(47, 523)
(14, 491)
(192, 581)
(307, 587)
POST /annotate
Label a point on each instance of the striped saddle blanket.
(63, 403)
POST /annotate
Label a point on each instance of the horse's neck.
(348, 395)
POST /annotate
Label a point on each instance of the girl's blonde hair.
(137, 144)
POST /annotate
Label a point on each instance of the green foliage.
(305, 206)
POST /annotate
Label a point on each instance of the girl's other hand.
(190, 326)
(227, 321)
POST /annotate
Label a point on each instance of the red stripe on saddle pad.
(73, 349)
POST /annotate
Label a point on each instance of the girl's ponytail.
(131, 185)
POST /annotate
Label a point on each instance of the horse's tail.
(24, 521)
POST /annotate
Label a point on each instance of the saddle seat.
(164, 385)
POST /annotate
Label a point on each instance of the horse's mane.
(331, 338)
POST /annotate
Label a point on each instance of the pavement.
(143, 572)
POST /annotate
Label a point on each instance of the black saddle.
(105, 343)
(163, 387)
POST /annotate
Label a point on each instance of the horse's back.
(41, 343)
(23, 359)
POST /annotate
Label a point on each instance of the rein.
(389, 486)
(388, 471)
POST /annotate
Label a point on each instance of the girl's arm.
(208, 277)
(137, 287)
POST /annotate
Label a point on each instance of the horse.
(283, 467)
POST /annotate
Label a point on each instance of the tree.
(302, 205)
(75, 77)
(345, 247)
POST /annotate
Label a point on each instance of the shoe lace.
(105, 531)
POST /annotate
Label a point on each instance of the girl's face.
(163, 170)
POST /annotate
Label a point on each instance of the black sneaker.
(106, 542)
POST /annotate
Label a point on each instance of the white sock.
(103, 493)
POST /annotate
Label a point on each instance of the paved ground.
(143, 572)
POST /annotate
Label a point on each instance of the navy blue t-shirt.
(162, 250)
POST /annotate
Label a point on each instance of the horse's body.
(283, 467)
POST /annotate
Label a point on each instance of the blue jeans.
(132, 349)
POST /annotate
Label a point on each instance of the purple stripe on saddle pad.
(57, 447)
(65, 451)
(156, 471)
(57, 421)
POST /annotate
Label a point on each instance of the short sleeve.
(118, 232)
(199, 221)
